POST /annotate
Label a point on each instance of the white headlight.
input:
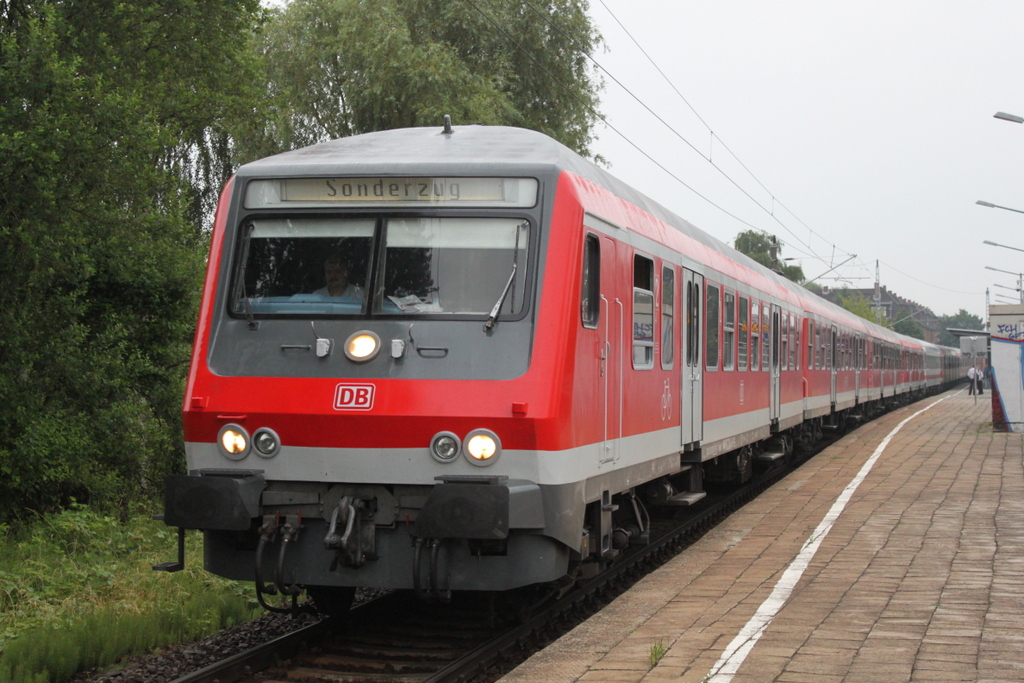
(266, 442)
(233, 441)
(482, 447)
(445, 447)
(362, 346)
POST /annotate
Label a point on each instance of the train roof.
(501, 150)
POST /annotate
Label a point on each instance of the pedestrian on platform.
(972, 379)
(981, 382)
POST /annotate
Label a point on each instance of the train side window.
(668, 313)
(810, 344)
(766, 328)
(643, 313)
(729, 331)
(785, 340)
(590, 306)
(744, 322)
(829, 348)
(693, 343)
(688, 335)
(794, 350)
(755, 335)
(817, 348)
(711, 327)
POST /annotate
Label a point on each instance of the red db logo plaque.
(354, 396)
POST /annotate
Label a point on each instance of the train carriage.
(468, 359)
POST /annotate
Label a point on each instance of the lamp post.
(996, 206)
(995, 244)
(1019, 276)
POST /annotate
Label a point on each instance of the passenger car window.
(643, 313)
(590, 306)
(711, 326)
(728, 331)
(668, 298)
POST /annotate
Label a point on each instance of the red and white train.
(468, 359)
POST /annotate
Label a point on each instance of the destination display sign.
(305, 192)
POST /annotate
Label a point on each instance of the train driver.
(336, 276)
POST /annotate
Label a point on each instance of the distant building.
(893, 308)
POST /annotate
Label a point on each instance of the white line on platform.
(731, 660)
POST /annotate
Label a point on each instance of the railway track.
(401, 639)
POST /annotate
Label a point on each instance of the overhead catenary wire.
(604, 120)
(707, 157)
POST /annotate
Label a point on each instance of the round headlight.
(482, 447)
(266, 442)
(362, 346)
(233, 441)
(445, 447)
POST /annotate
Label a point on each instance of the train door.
(833, 357)
(776, 365)
(692, 392)
(612, 326)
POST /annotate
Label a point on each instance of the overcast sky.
(868, 127)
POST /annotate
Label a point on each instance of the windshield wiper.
(496, 311)
(493, 317)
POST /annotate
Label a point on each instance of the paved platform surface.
(920, 576)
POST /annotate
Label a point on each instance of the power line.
(706, 157)
(603, 119)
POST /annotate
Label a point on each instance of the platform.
(902, 563)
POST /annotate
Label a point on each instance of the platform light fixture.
(990, 205)
(1009, 117)
(1019, 276)
(995, 244)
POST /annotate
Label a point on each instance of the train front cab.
(369, 477)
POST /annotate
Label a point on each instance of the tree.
(111, 114)
(765, 249)
(961, 320)
(909, 327)
(858, 305)
(336, 68)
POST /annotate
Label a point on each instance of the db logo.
(354, 396)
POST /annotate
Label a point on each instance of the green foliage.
(859, 305)
(909, 327)
(658, 651)
(962, 320)
(101, 638)
(109, 126)
(79, 593)
(336, 68)
(759, 246)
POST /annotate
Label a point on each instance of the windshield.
(427, 266)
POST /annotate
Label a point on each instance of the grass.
(77, 592)
(658, 650)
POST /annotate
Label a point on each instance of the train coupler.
(358, 542)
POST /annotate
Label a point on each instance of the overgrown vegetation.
(79, 592)
(108, 113)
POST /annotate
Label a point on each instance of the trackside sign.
(354, 396)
